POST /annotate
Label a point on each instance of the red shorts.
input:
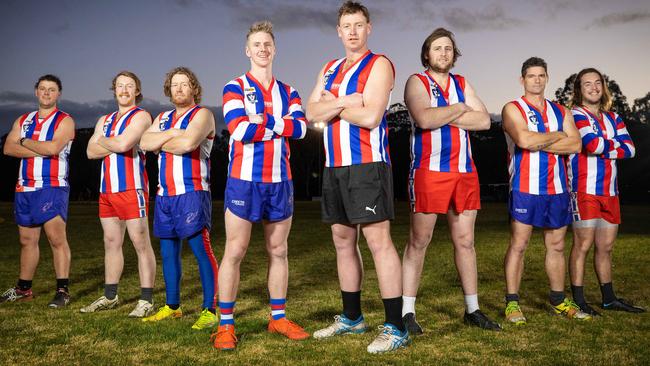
(588, 206)
(127, 205)
(438, 192)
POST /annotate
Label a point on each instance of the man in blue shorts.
(42, 140)
(539, 134)
(183, 137)
(261, 113)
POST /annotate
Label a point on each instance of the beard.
(441, 70)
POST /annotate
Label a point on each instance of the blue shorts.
(38, 207)
(551, 211)
(183, 215)
(256, 201)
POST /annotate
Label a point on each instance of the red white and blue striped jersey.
(123, 171)
(537, 172)
(447, 148)
(179, 174)
(42, 171)
(604, 139)
(345, 143)
(260, 152)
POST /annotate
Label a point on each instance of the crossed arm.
(620, 146)
(471, 115)
(32, 148)
(176, 141)
(100, 146)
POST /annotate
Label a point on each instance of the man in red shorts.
(443, 179)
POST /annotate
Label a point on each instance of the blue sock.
(208, 268)
(226, 315)
(277, 308)
(170, 251)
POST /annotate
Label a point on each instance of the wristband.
(22, 140)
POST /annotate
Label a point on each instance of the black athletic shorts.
(357, 194)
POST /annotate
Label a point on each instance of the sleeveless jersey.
(126, 170)
(179, 174)
(347, 144)
(537, 172)
(447, 148)
(42, 171)
(604, 139)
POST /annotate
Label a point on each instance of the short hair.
(194, 82)
(532, 62)
(262, 26)
(353, 7)
(138, 84)
(49, 77)
(577, 98)
(438, 33)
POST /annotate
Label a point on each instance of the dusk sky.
(87, 42)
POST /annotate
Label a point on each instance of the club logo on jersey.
(532, 117)
(105, 127)
(27, 124)
(251, 95)
(435, 93)
(327, 76)
(162, 123)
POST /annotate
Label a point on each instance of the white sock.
(408, 305)
(471, 303)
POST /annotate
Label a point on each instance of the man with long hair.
(42, 140)
(443, 179)
(351, 96)
(124, 193)
(183, 138)
(594, 187)
(539, 134)
(262, 114)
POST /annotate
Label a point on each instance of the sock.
(62, 283)
(174, 306)
(170, 252)
(471, 303)
(110, 290)
(512, 297)
(146, 294)
(578, 293)
(352, 304)
(24, 285)
(208, 268)
(556, 297)
(408, 305)
(277, 308)
(607, 290)
(226, 313)
(393, 312)
(212, 310)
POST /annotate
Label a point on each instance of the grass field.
(30, 333)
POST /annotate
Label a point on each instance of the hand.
(288, 116)
(174, 132)
(326, 95)
(464, 107)
(256, 118)
(354, 100)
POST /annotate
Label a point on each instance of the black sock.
(393, 311)
(607, 290)
(110, 290)
(174, 306)
(578, 294)
(556, 297)
(62, 283)
(146, 294)
(512, 297)
(24, 285)
(351, 304)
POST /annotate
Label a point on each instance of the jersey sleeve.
(236, 119)
(294, 125)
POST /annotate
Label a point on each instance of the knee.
(112, 242)
(278, 251)
(604, 249)
(28, 241)
(233, 254)
(518, 246)
(556, 246)
(419, 241)
(464, 242)
(378, 245)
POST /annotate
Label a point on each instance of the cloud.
(620, 18)
(283, 14)
(13, 105)
(490, 18)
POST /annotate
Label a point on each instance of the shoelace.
(10, 294)
(385, 333)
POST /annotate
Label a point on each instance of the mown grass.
(30, 333)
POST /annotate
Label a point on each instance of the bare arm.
(572, 143)
(323, 106)
(477, 118)
(516, 127)
(94, 150)
(63, 134)
(418, 103)
(153, 139)
(12, 143)
(376, 95)
(188, 140)
(131, 135)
